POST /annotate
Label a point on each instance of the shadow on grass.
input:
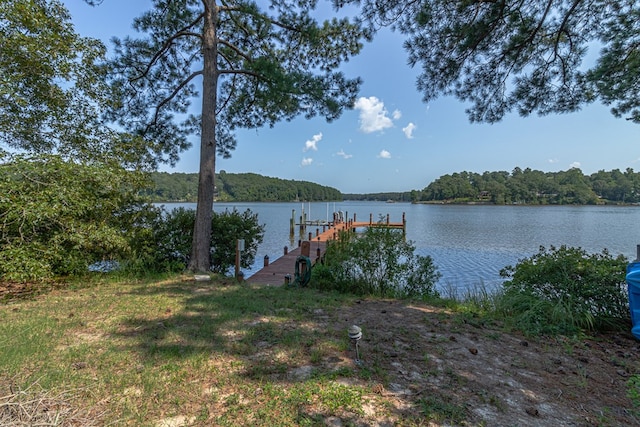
(233, 320)
(291, 344)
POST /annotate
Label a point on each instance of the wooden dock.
(275, 272)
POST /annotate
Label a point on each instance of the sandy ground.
(435, 364)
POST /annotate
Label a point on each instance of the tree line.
(534, 187)
(520, 186)
(238, 187)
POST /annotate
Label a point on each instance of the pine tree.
(251, 66)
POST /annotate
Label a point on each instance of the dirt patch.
(434, 366)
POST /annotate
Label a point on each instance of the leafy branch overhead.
(269, 67)
(51, 88)
(529, 56)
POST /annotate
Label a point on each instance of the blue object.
(633, 284)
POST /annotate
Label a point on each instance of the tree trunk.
(200, 253)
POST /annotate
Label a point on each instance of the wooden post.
(237, 258)
(370, 219)
(305, 250)
(404, 224)
(286, 250)
(266, 261)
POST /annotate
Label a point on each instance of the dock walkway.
(275, 272)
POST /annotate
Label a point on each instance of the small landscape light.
(355, 335)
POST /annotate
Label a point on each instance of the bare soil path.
(480, 375)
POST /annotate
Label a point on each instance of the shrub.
(173, 234)
(377, 262)
(58, 217)
(565, 290)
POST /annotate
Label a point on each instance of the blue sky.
(391, 140)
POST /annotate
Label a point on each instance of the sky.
(391, 140)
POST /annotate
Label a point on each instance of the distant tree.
(574, 187)
(255, 67)
(525, 55)
(537, 187)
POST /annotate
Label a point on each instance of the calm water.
(469, 244)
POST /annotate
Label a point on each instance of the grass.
(140, 353)
(173, 351)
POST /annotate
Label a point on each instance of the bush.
(566, 290)
(377, 262)
(58, 217)
(173, 234)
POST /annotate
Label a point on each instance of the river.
(468, 243)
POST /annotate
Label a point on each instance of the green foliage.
(227, 228)
(536, 187)
(406, 196)
(59, 217)
(174, 187)
(633, 392)
(48, 77)
(239, 187)
(53, 87)
(377, 262)
(565, 290)
(173, 236)
(526, 56)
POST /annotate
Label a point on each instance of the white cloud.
(574, 165)
(384, 154)
(408, 131)
(373, 116)
(344, 155)
(553, 160)
(312, 143)
(306, 161)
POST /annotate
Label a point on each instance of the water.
(468, 243)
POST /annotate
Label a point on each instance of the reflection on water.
(469, 244)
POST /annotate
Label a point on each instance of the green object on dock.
(302, 271)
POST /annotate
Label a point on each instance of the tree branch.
(184, 32)
(235, 48)
(171, 96)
